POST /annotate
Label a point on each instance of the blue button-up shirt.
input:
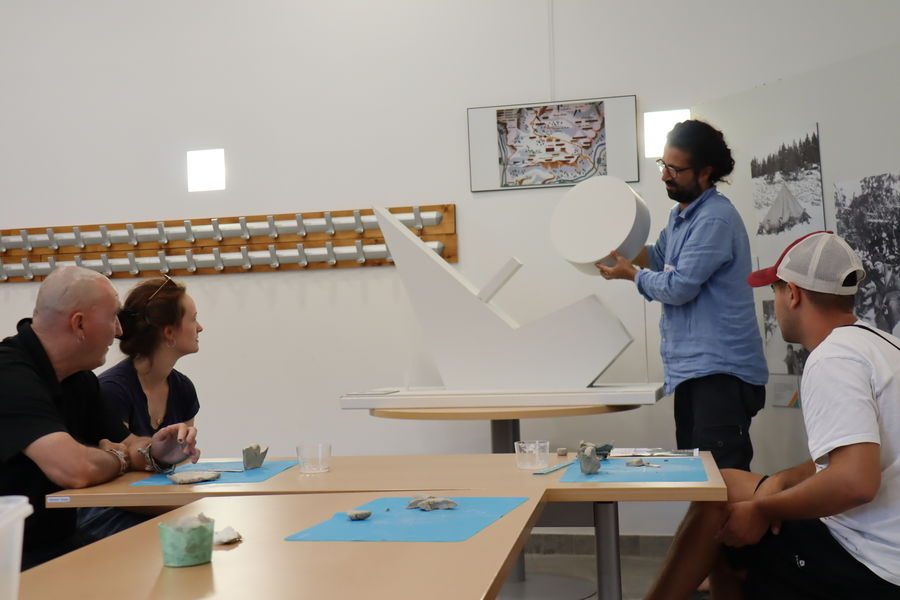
(698, 270)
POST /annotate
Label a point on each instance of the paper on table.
(619, 452)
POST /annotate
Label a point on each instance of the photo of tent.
(784, 214)
(786, 179)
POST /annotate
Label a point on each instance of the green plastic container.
(186, 546)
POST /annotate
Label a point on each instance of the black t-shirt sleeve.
(104, 421)
(27, 412)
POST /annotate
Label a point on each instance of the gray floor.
(562, 567)
(637, 571)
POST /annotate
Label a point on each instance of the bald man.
(55, 430)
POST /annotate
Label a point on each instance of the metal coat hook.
(360, 253)
(217, 258)
(132, 264)
(104, 236)
(245, 231)
(273, 230)
(301, 226)
(329, 223)
(2, 247)
(417, 219)
(301, 252)
(329, 253)
(163, 262)
(51, 237)
(189, 257)
(79, 241)
(217, 233)
(357, 220)
(26, 240)
(51, 260)
(189, 232)
(3, 275)
(26, 266)
(161, 231)
(78, 261)
(107, 268)
(132, 236)
(273, 257)
(245, 256)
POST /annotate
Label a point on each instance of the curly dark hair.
(706, 145)
(150, 306)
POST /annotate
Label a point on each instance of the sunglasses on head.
(167, 280)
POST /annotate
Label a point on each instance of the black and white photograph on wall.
(788, 197)
(868, 217)
(783, 358)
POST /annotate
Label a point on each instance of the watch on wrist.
(151, 464)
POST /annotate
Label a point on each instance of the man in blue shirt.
(711, 348)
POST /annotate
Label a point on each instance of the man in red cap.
(830, 527)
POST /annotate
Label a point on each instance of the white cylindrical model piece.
(596, 216)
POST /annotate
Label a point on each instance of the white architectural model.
(486, 358)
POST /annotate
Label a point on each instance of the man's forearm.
(793, 476)
(102, 466)
(818, 495)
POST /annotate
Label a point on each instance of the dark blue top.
(122, 390)
(698, 271)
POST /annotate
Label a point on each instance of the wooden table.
(347, 474)
(129, 564)
(504, 421)
(495, 472)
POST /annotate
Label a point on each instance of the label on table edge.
(57, 499)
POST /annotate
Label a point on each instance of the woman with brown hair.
(159, 326)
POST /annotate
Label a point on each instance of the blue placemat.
(614, 470)
(400, 524)
(269, 469)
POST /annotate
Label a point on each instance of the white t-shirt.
(850, 394)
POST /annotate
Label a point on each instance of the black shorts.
(805, 562)
(713, 413)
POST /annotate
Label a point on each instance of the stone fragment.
(185, 477)
(428, 503)
(254, 456)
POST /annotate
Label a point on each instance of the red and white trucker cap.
(819, 262)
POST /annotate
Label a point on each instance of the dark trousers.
(713, 413)
(805, 562)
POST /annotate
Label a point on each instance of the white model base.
(609, 395)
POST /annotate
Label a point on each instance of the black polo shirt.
(34, 404)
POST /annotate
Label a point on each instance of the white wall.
(345, 104)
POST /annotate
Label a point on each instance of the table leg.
(504, 434)
(609, 568)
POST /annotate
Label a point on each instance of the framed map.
(553, 144)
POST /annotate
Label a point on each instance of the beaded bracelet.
(151, 464)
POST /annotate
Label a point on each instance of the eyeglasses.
(673, 171)
(168, 280)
